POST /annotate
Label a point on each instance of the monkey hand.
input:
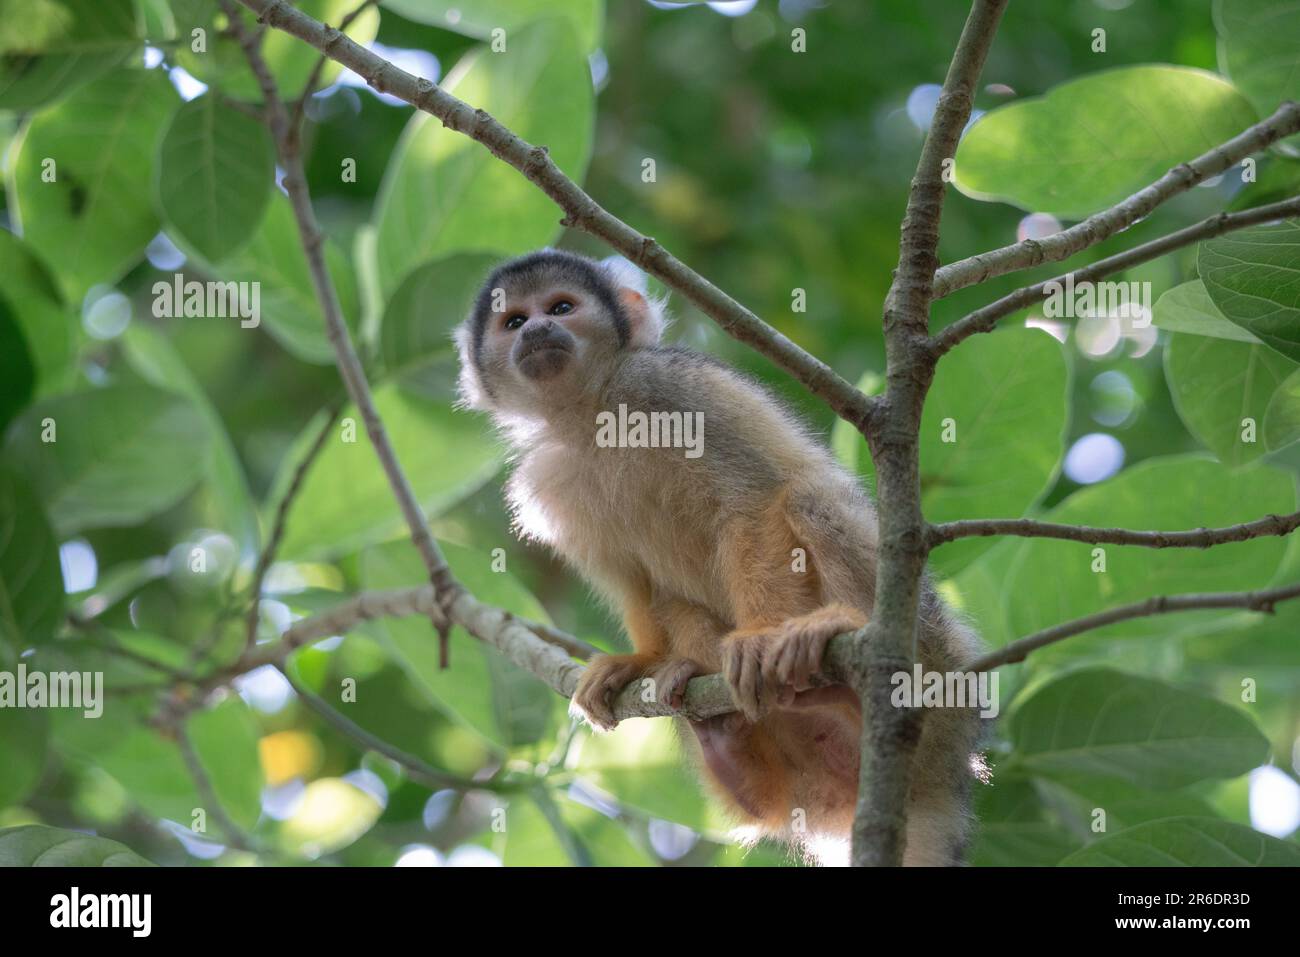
(663, 678)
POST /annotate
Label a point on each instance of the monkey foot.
(778, 667)
(665, 681)
(796, 660)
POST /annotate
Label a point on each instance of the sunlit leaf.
(93, 220)
(216, 169)
(346, 501)
(1257, 49)
(643, 764)
(287, 302)
(1222, 390)
(996, 457)
(482, 690)
(443, 193)
(479, 19)
(1091, 141)
(1252, 277)
(1188, 308)
(289, 60)
(49, 48)
(225, 739)
(427, 306)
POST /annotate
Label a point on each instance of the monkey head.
(547, 329)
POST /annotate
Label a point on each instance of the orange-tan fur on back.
(742, 552)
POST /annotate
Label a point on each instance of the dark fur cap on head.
(547, 267)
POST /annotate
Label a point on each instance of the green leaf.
(287, 301)
(427, 306)
(346, 502)
(1252, 277)
(1217, 385)
(1090, 142)
(643, 764)
(216, 170)
(1006, 447)
(153, 358)
(35, 846)
(150, 768)
(289, 59)
(1014, 829)
(94, 220)
(1102, 722)
(48, 48)
(1187, 842)
(119, 454)
(586, 837)
(1282, 417)
(225, 738)
(1054, 581)
(1258, 50)
(35, 304)
(1188, 308)
(444, 194)
(479, 19)
(24, 743)
(17, 374)
(481, 690)
(31, 583)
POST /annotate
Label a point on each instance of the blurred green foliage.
(781, 176)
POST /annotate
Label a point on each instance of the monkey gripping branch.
(868, 657)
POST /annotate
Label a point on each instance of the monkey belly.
(789, 773)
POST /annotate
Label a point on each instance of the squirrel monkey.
(743, 555)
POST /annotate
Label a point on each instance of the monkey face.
(553, 337)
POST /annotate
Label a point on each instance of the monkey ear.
(472, 393)
(645, 317)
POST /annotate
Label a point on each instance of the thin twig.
(1195, 538)
(309, 88)
(235, 835)
(416, 769)
(987, 317)
(1262, 601)
(349, 364)
(1089, 232)
(267, 557)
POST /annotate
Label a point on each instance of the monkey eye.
(515, 321)
(560, 308)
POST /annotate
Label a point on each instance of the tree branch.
(309, 88)
(349, 364)
(1028, 528)
(987, 317)
(281, 521)
(1089, 232)
(1158, 605)
(889, 734)
(581, 211)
